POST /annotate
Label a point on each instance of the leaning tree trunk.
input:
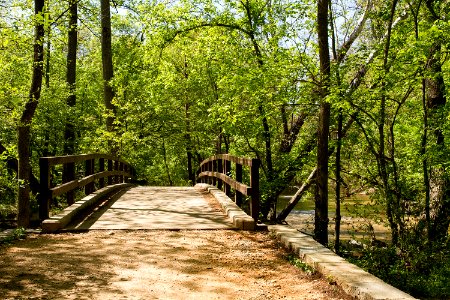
(321, 196)
(24, 128)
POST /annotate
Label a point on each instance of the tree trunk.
(166, 165)
(439, 207)
(108, 72)
(297, 196)
(187, 135)
(24, 128)
(72, 45)
(439, 181)
(321, 195)
(391, 208)
(69, 131)
(337, 227)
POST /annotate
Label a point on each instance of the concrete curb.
(59, 221)
(352, 279)
(240, 219)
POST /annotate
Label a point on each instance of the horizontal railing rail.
(113, 169)
(217, 170)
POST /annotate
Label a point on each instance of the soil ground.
(206, 264)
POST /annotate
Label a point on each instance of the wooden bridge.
(111, 201)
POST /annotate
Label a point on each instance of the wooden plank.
(242, 188)
(235, 159)
(58, 160)
(65, 187)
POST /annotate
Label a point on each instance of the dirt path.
(220, 264)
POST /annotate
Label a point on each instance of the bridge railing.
(217, 170)
(88, 168)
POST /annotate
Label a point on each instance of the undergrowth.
(17, 234)
(420, 270)
(297, 262)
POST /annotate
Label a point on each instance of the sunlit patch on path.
(157, 208)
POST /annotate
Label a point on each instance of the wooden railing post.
(89, 170)
(44, 193)
(254, 183)
(237, 194)
(204, 180)
(121, 169)
(116, 168)
(110, 168)
(101, 166)
(69, 175)
(126, 177)
(220, 169)
(210, 168)
(227, 172)
(214, 169)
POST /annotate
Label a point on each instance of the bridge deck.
(174, 208)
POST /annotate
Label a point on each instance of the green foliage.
(18, 234)
(8, 192)
(203, 77)
(297, 262)
(417, 269)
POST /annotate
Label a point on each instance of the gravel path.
(207, 264)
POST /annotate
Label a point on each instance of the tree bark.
(321, 195)
(438, 210)
(24, 128)
(297, 196)
(71, 75)
(391, 209)
(337, 227)
(187, 120)
(439, 206)
(72, 45)
(108, 71)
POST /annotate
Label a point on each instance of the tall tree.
(72, 46)
(438, 208)
(71, 74)
(382, 158)
(108, 71)
(321, 195)
(24, 127)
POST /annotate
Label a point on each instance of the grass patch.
(18, 234)
(297, 262)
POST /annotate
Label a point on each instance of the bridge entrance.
(167, 208)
